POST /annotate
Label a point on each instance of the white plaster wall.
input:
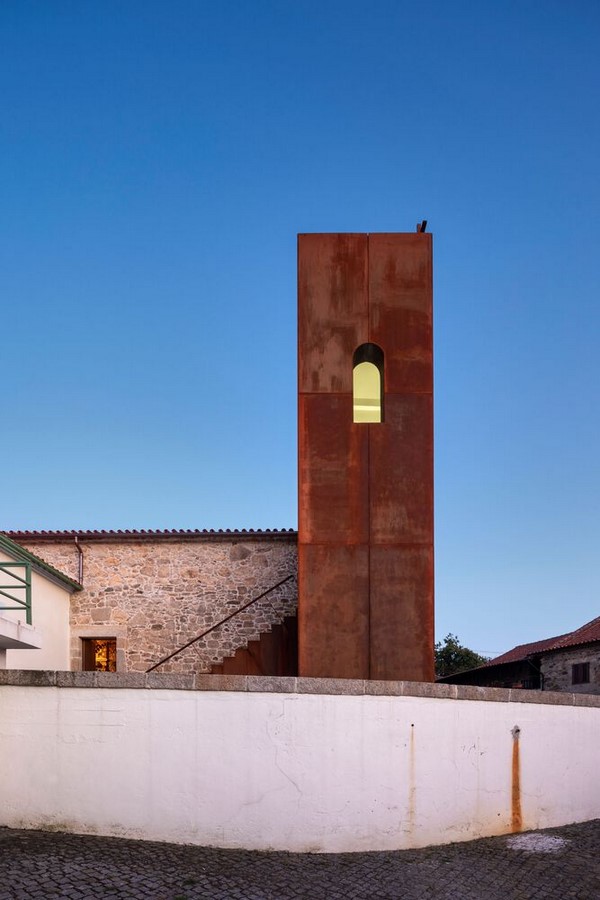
(300, 772)
(50, 616)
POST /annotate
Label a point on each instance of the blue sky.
(156, 163)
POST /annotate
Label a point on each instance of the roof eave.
(208, 535)
(12, 548)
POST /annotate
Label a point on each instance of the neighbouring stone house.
(145, 594)
(568, 662)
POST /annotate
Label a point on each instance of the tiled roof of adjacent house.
(587, 634)
(153, 534)
(522, 651)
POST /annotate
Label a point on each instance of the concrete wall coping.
(288, 685)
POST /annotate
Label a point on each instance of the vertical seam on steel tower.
(369, 470)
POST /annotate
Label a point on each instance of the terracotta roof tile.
(150, 533)
(586, 634)
(522, 651)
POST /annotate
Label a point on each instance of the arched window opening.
(367, 383)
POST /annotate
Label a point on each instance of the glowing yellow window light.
(366, 385)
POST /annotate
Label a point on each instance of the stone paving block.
(119, 679)
(76, 679)
(549, 698)
(427, 689)
(351, 686)
(221, 682)
(472, 692)
(130, 680)
(586, 700)
(170, 682)
(36, 864)
(385, 688)
(272, 684)
(28, 677)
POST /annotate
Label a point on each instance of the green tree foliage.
(452, 657)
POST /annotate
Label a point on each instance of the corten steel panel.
(401, 471)
(333, 464)
(333, 617)
(366, 490)
(333, 316)
(401, 613)
(400, 308)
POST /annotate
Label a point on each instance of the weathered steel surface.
(334, 498)
(365, 490)
(332, 310)
(333, 618)
(400, 471)
(400, 309)
(401, 614)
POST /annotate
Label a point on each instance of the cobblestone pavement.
(560, 863)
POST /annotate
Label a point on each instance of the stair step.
(242, 663)
(274, 653)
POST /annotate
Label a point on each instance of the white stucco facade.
(50, 602)
(294, 770)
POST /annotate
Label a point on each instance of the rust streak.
(412, 785)
(516, 815)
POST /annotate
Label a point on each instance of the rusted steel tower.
(365, 541)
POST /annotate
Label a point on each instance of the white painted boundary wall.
(290, 769)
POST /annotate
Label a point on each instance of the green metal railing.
(218, 624)
(22, 585)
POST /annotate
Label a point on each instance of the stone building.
(568, 662)
(146, 594)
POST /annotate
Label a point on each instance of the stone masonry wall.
(154, 595)
(557, 670)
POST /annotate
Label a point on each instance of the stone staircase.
(274, 653)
